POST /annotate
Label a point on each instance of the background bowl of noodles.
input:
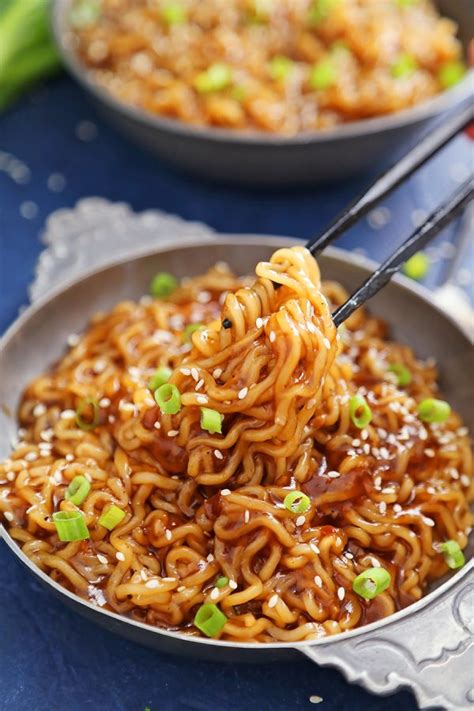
(364, 654)
(266, 158)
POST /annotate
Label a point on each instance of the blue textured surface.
(50, 658)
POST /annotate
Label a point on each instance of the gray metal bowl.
(425, 646)
(260, 158)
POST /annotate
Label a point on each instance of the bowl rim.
(406, 117)
(231, 240)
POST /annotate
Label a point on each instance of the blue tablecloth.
(53, 151)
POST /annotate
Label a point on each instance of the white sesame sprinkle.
(397, 508)
(202, 399)
(185, 371)
(120, 556)
(181, 588)
(195, 374)
(318, 581)
(273, 600)
(314, 548)
(214, 594)
(102, 559)
(341, 593)
(259, 322)
(465, 480)
(104, 402)
(39, 409)
(272, 336)
(453, 473)
(10, 476)
(67, 414)
(218, 454)
(8, 515)
(31, 456)
(364, 434)
(300, 521)
(225, 492)
(333, 475)
(157, 425)
(375, 562)
(111, 419)
(348, 555)
(199, 384)
(462, 431)
(366, 448)
(168, 535)
(47, 435)
(242, 393)
(247, 516)
(217, 373)
(69, 457)
(428, 521)
(73, 339)
(378, 482)
(430, 453)
(233, 585)
(152, 584)
(383, 507)
(356, 442)
(173, 433)
(210, 558)
(422, 434)
(315, 699)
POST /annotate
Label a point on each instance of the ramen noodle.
(281, 66)
(224, 454)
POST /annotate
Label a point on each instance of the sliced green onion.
(210, 620)
(371, 583)
(323, 74)
(84, 13)
(417, 266)
(406, 3)
(85, 404)
(70, 525)
(320, 10)
(433, 410)
(159, 377)
(173, 13)
(190, 329)
(216, 77)
(404, 66)
(453, 554)
(297, 502)
(163, 284)
(402, 373)
(168, 399)
(280, 67)
(77, 490)
(451, 73)
(222, 582)
(211, 420)
(359, 411)
(112, 517)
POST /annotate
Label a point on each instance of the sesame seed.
(8, 515)
(181, 588)
(364, 434)
(318, 581)
(356, 442)
(157, 425)
(233, 585)
(348, 555)
(120, 556)
(39, 409)
(111, 419)
(273, 600)
(73, 340)
(397, 508)
(366, 448)
(185, 371)
(430, 452)
(217, 373)
(199, 384)
(218, 454)
(382, 433)
(375, 562)
(31, 456)
(272, 336)
(428, 521)
(422, 434)
(195, 374)
(462, 431)
(247, 516)
(314, 699)
(168, 535)
(453, 473)
(384, 453)
(225, 492)
(300, 521)
(10, 476)
(314, 548)
(333, 475)
(202, 399)
(341, 593)
(242, 393)
(152, 584)
(465, 480)
(210, 558)
(100, 365)
(259, 322)
(383, 507)
(69, 457)
(47, 435)
(104, 402)
(67, 414)
(173, 433)
(214, 594)
(378, 482)
(311, 403)
(102, 559)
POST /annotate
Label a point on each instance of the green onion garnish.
(159, 377)
(168, 399)
(173, 13)
(406, 3)
(216, 77)
(453, 554)
(211, 420)
(404, 66)
(190, 329)
(451, 73)
(280, 67)
(84, 13)
(83, 406)
(78, 490)
(112, 517)
(323, 74)
(320, 10)
(163, 284)
(417, 266)
(222, 582)
(371, 583)
(297, 502)
(402, 373)
(210, 620)
(359, 411)
(433, 410)
(70, 525)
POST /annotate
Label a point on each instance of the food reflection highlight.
(216, 459)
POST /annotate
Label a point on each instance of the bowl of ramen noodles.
(205, 464)
(269, 91)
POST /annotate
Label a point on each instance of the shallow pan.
(266, 159)
(421, 646)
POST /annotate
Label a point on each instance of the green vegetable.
(27, 52)
(280, 67)
(417, 266)
(111, 517)
(296, 502)
(70, 525)
(323, 74)
(190, 329)
(78, 490)
(433, 410)
(405, 3)
(160, 377)
(210, 620)
(320, 10)
(216, 77)
(404, 66)
(451, 73)
(168, 399)
(173, 13)
(211, 420)
(453, 554)
(88, 404)
(222, 582)
(360, 412)
(371, 583)
(163, 284)
(402, 373)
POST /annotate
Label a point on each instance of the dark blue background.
(50, 658)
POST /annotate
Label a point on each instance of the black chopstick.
(419, 239)
(393, 177)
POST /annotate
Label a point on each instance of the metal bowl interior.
(259, 157)
(38, 338)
